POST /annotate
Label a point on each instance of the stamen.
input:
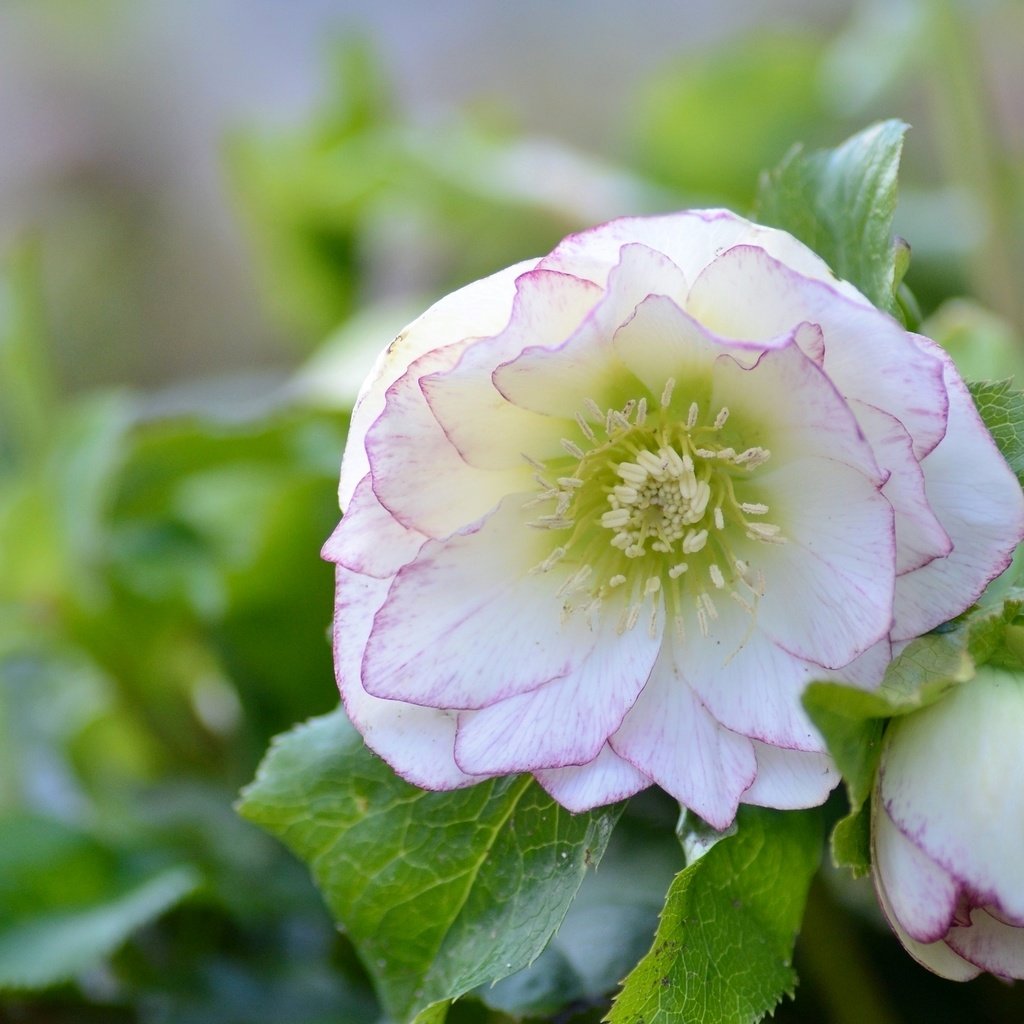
(585, 427)
(716, 576)
(617, 581)
(593, 408)
(641, 412)
(570, 481)
(615, 518)
(722, 416)
(702, 621)
(677, 570)
(719, 519)
(652, 586)
(694, 541)
(709, 606)
(572, 448)
(634, 616)
(666, 395)
(575, 581)
(632, 473)
(692, 416)
(539, 466)
(552, 560)
(753, 508)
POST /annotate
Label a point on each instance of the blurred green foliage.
(163, 611)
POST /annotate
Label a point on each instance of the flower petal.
(936, 956)
(433, 491)
(920, 537)
(369, 539)
(687, 238)
(922, 895)
(487, 429)
(479, 309)
(933, 755)
(559, 381)
(670, 736)
(868, 355)
(978, 501)
(604, 780)
(417, 742)
(566, 721)
(790, 779)
(466, 623)
(748, 683)
(989, 944)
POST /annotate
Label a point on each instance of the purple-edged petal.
(829, 586)
(604, 780)
(689, 239)
(936, 956)
(487, 429)
(418, 474)
(418, 743)
(748, 683)
(559, 381)
(466, 623)
(955, 798)
(369, 540)
(791, 779)
(990, 944)
(867, 354)
(566, 721)
(670, 736)
(979, 503)
(922, 895)
(920, 537)
(479, 309)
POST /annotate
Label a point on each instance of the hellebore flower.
(607, 512)
(948, 827)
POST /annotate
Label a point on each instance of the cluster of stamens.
(663, 488)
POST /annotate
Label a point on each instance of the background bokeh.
(212, 215)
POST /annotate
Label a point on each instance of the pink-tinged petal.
(868, 355)
(920, 537)
(487, 429)
(978, 501)
(369, 540)
(466, 623)
(566, 721)
(559, 381)
(604, 780)
(937, 957)
(479, 309)
(922, 895)
(791, 779)
(795, 408)
(749, 684)
(418, 475)
(829, 586)
(690, 239)
(670, 736)
(954, 795)
(418, 743)
(866, 671)
(990, 944)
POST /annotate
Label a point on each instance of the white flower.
(608, 511)
(948, 827)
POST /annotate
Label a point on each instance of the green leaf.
(440, 892)
(841, 202)
(52, 948)
(1001, 406)
(723, 949)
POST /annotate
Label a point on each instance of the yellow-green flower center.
(653, 502)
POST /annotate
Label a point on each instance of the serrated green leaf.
(1001, 406)
(440, 892)
(723, 948)
(841, 203)
(49, 949)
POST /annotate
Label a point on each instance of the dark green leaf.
(723, 949)
(440, 892)
(841, 203)
(1001, 406)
